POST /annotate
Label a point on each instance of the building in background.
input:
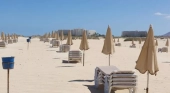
(77, 32)
(134, 34)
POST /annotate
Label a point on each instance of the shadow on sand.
(51, 50)
(65, 66)
(100, 89)
(81, 80)
(60, 52)
(71, 62)
(56, 58)
(165, 62)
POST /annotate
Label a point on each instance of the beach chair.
(164, 49)
(74, 55)
(133, 46)
(41, 39)
(2, 44)
(10, 41)
(55, 43)
(114, 79)
(159, 49)
(14, 41)
(46, 40)
(64, 48)
(118, 44)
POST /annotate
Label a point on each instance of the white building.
(78, 32)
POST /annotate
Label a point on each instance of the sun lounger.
(118, 44)
(14, 41)
(164, 49)
(55, 43)
(133, 46)
(114, 79)
(64, 48)
(75, 55)
(46, 40)
(51, 41)
(10, 41)
(41, 39)
(2, 44)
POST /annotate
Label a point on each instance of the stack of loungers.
(2, 44)
(64, 48)
(114, 79)
(55, 43)
(74, 55)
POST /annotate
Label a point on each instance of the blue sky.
(30, 17)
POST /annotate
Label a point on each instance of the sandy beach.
(41, 69)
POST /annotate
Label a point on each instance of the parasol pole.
(8, 81)
(83, 56)
(109, 59)
(147, 88)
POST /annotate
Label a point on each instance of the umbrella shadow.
(81, 80)
(60, 52)
(53, 47)
(56, 58)
(165, 62)
(92, 89)
(51, 50)
(72, 62)
(65, 66)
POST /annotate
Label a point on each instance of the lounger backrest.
(164, 49)
(123, 78)
(75, 54)
(2, 44)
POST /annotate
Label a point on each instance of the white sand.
(40, 69)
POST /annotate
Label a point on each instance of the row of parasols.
(5, 37)
(147, 60)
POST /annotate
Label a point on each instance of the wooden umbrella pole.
(28, 46)
(83, 56)
(147, 89)
(109, 59)
(8, 81)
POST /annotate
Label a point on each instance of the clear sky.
(30, 17)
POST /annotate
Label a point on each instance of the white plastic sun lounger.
(14, 41)
(118, 44)
(133, 46)
(2, 44)
(46, 40)
(75, 55)
(10, 41)
(55, 43)
(64, 48)
(114, 79)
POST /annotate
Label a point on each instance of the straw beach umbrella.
(140, 41)
(167, 43)
(118, 40)
(62, 36)
(84, 44)
(133, 42)
(8, 36)
(2, 36)
(156, 43)
(69, 39)
(49, 35)
(108, 47)
(147, 60)
(57, 36)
